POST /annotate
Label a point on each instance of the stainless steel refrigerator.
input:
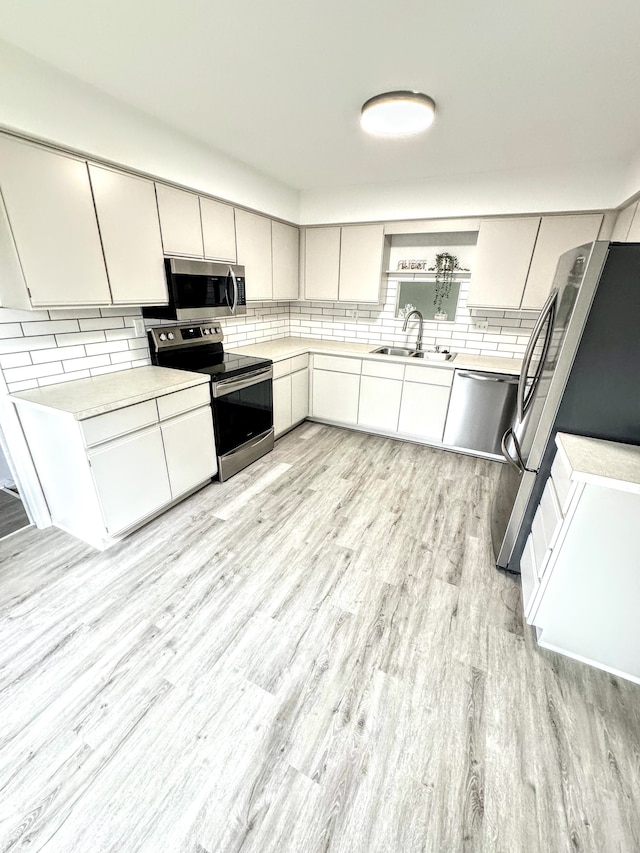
(580, 374)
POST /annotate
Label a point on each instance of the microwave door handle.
(235, 290)
(548, 310)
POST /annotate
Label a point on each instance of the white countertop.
(288, 347)
(85, 398)
(601, 463)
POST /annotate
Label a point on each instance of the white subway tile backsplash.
(17, 374)
(10, 330)
(72, 343)
(15, 315)
(26, 344)
(103, 323)
(85, 363)
(107, 347)
(50, 327)
(26, 385)
(79, 338)
(18, 359)
(56, 354)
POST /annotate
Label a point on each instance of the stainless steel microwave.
(201, 290)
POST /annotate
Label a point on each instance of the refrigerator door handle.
(548, 312)
(518, 463)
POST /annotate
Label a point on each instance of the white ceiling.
(279, 84)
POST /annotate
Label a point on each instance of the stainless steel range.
(241, 389)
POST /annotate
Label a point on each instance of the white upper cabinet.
(53, 225)
(322, 263)
(557, 234)
(361, 263)
(253, 235)
(343, 264)
(516, 258)
(285, 242)
(503, 258)
(218, 230)
(130, 232)
(180, 222)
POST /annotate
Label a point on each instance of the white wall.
(599, 186)
(39, 100)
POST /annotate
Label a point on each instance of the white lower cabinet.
(281, 404)
(189, 449)
(290, 393)
(379, 403)
(423, 410)
(335, 396)
(131, 479)
(299, 395)
(580, 563)
(410, 401)
(103, 476)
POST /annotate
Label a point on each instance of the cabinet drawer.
(429, 375)
(299, 362)
(121, 421)
(561, 477)
(338, 364)
(281, 368)
(182, 401)
(383, 370)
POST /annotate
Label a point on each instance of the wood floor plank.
(317, 655)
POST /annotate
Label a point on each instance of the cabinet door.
(379, 403)
(130, 232)
(557, 235)
(131, 478)
(285, 241)
(321, 263)
(361, 263)
(281, 404)
(50, 208)
(299, 396)
(335, 396)
(423, 410)
(218, 230)
(179, 221)
(501, 266)
(253, 235)
(190, 449)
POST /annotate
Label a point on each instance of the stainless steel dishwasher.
(481, 409)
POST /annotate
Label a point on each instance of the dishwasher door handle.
(487, 377)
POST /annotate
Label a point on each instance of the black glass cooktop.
(219, 365)
(232, 364)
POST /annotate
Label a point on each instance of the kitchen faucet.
(421, 318)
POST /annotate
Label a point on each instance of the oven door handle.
(228, 386)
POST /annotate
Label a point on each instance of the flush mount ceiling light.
(398, 113)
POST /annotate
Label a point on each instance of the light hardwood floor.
(12, 514)
(317, 655)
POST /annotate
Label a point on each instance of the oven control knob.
(171, 336)
(206, 331)
(163, 337)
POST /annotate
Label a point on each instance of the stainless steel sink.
(406, 351)
(432, 355)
